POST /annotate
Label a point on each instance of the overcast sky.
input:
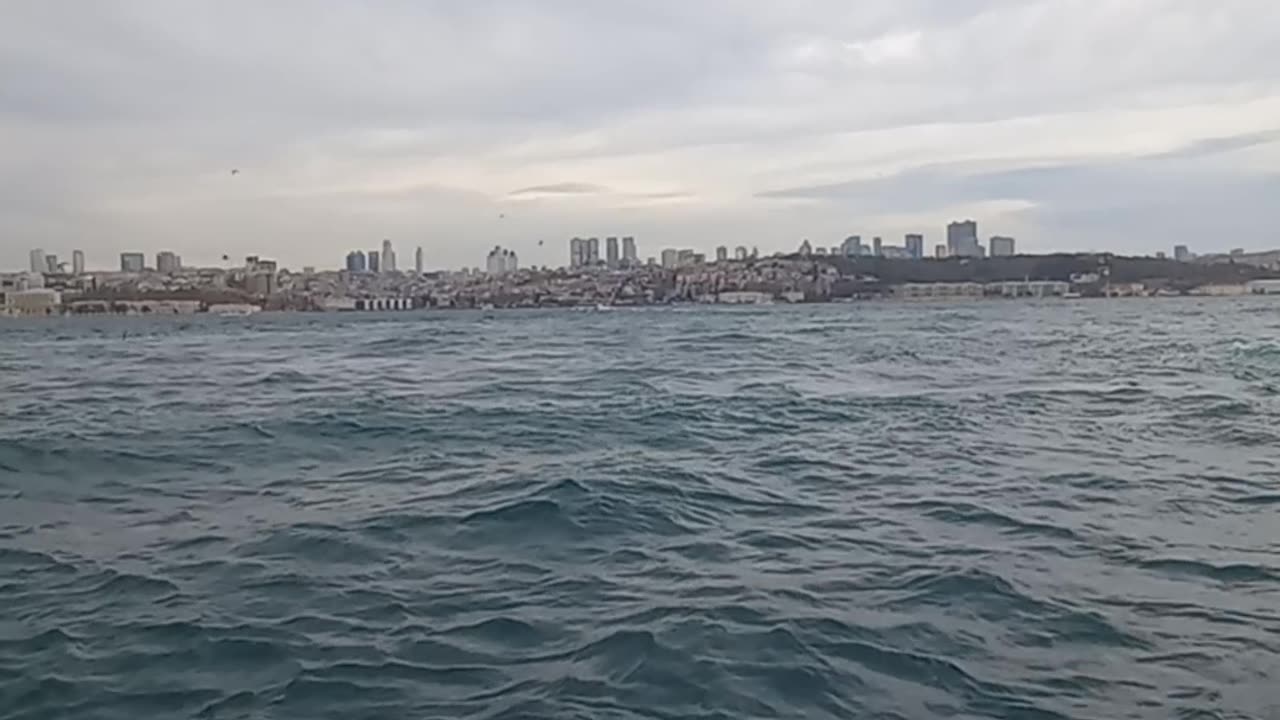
(1128, 125)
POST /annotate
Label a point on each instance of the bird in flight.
(235, 172)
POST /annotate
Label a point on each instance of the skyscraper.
(611, 254)
(1181, 253)
(915, 245)
(722, 254)
(51, 263)
(418, 260)
(388, 257)
(629, 256)
(740, 252)
(132, 262)
(374, 257)
(356, 261)
(38, 263)
(593, 251)
(1001, 246)
(962, 239)
(77, 262)
(577, 252)
(852, 246)
(670, 258)
(877, 246)
(167, 263)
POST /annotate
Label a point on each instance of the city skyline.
(747, 125)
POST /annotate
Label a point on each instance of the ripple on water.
(993, 510)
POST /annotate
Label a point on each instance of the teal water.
(997, 510)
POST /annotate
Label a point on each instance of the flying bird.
(235, 172)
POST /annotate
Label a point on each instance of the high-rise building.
(167, 263)
(1001, 246)
(852, 246)
(915, 245)
(962, 239)
(577, 252)
(593, 252)
(940, 252)
(375, 260)
(388, 257)
(51, 263)
(686, 257)
(356, 261)
(418, 260)
(501, 261)
(38, 263)
(740, 252)
(611, 254)
(877, 246)
(1181, 253)
(722, 253)
(629, 256)
(77, 262)
(132, 262)
(670, 258)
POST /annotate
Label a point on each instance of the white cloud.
(416, 121)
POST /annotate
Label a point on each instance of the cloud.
(566, 188)
(763, 121)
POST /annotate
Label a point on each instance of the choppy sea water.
(997, 510)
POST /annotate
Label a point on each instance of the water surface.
(994, 510)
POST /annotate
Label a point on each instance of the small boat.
(601, 307)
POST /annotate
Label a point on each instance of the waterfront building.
(77, 262)
(33, 301)
(915, 245)
(1002, 246)
(722, 253)
(418, 260)
(132, 262)
(1181, 253)
(577, 252)
(612, 257)
(740, 253)
(593, 252)
(375, 260)
(686, 257)
(670, 258)
(629, 256)
(940, 252)
(38, 263)
(877, 246)
(261, 282)
(356, 262)
(167, 263)
(51, 264)
(852, 246)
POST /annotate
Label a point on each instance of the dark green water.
(997, 510)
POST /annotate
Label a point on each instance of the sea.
(1031, 510)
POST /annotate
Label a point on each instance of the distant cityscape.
(372, 280)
